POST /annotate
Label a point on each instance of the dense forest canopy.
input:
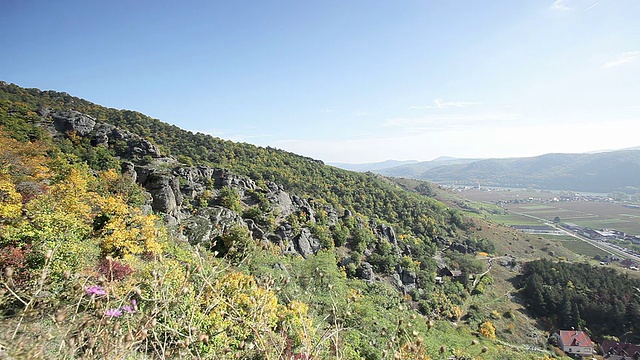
(581, 296)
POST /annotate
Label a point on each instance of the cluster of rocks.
(173, 188)
(101, 133)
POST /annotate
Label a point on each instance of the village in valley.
(598, 221)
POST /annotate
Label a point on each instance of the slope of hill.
(123, 236)
(372, 166)
(416, 170)
(601, 172)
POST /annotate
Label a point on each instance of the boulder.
(305, 244)
(207, 224)
(408, 277)
(128, 170)
(165, 192)
(281, 202)
(366, 271)
(71, 120)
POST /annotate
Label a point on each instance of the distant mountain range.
(604, 172)
(416, 170)
(375, 166)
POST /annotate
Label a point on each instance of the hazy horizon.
(349, 82)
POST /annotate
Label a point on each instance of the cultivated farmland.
(580, 211)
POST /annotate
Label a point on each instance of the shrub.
(15, 258)
(113, 270)
(488, 330)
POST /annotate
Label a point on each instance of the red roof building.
(575, 342)
(614, 350)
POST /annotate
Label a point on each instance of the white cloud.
(560, 5)
(441, 104)
(622, 59)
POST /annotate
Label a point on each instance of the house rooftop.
(610, 347)
(575, 338)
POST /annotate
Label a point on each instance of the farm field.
(592, 214)
(577, 246)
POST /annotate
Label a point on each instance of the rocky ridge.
(188, 196)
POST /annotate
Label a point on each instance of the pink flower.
(113, 312)
(95, 290)
(131, 308)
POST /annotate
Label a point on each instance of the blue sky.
(348, 81)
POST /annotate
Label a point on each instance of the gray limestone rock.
(128, 170)
(165, 191)
(209, 223)
(306, 244)
(64, 121)
(366, 271)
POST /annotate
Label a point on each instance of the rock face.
(65, 121)
(384, 232)
(170, 187)
(164, 189)
(305, 244)
(101, 133)
(209, 223)
(366, 271)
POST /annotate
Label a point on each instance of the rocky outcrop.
(164, 189)
(305, 244)
(207, 224)
(169, 189)
(405, 281)
(73, 121)
(106, 134)
(384, 232)
(197, 179)
(101, 133)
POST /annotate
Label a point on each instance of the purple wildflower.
(113, 312)
(131, 308)
(95, 290)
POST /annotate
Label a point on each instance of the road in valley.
(604, 246)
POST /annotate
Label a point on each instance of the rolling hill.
(602, 172)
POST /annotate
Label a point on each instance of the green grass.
(537, 207)
(575, 245)
(513, 219)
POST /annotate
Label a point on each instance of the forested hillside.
(122, 236)
(569, 295)
(363, 193)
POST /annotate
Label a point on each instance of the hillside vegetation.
(125, 237)
(569, 295)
